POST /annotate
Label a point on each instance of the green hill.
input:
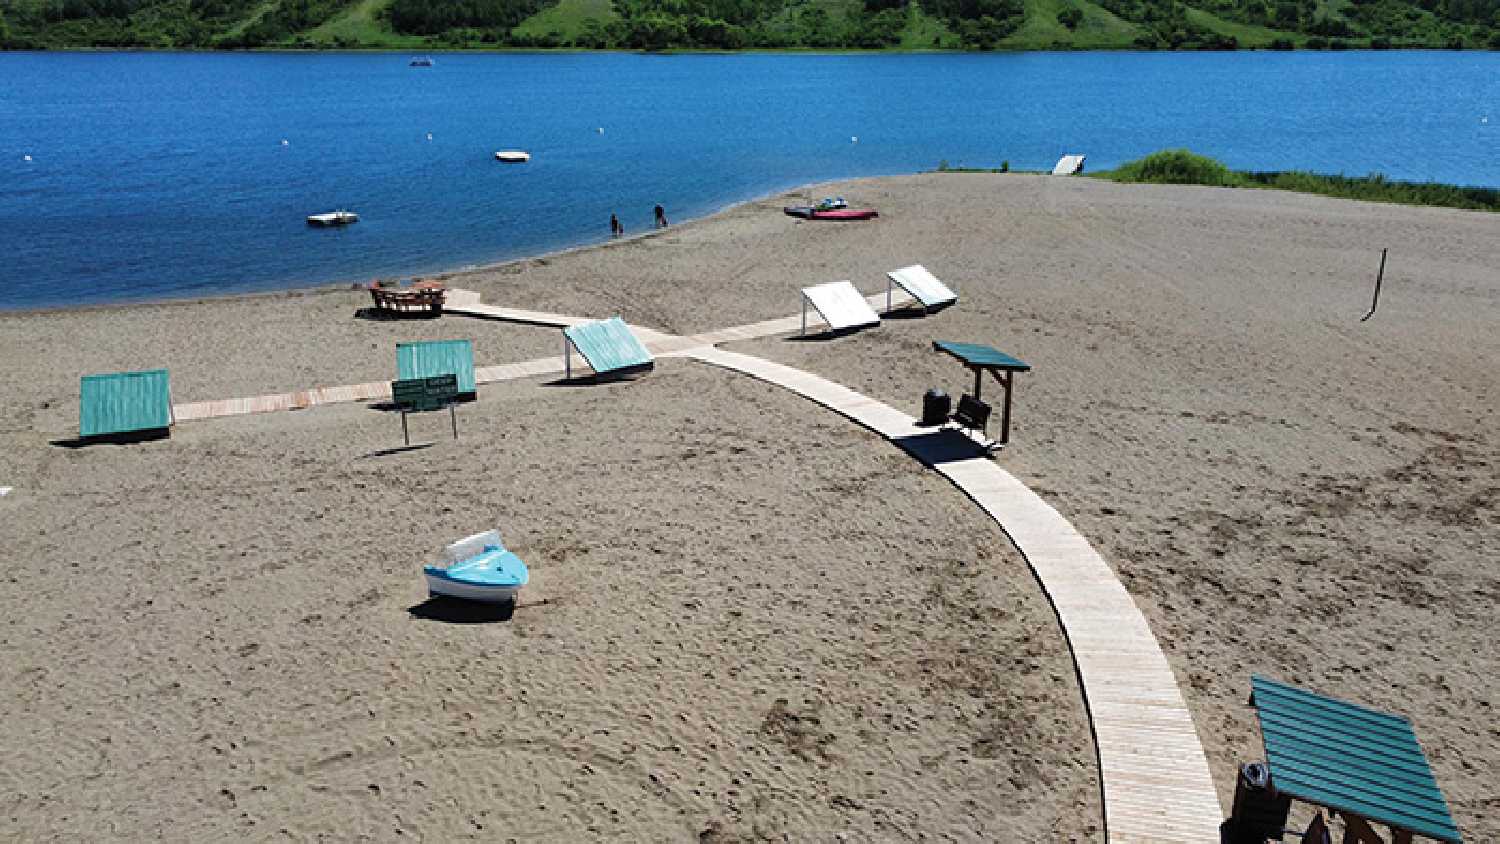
(751, 24)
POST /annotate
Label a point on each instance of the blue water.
(165, 175)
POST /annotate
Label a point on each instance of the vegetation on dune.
(766, 24)
(1181, 167)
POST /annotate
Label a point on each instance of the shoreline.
(807, 189)
(340, 286)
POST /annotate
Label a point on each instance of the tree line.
(742, 24)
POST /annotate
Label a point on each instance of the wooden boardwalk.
(1154, 775)
(466, 303)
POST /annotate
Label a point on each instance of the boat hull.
(845, 214)
(513, 156)
(486, 593)
(342, 219)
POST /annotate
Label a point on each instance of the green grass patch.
(567, 19)
(1099, 29)
(1181, 167)
(1247, 35)
(362, 25)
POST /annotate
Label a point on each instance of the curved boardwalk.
(1156, 782)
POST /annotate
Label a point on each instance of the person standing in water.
(615, 229)
(661, 217)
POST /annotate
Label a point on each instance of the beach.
(749, 618)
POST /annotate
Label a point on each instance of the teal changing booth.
(125, 404)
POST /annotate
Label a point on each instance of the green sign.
(433, 393)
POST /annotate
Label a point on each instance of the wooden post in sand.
(1374, 303)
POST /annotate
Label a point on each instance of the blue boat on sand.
(478, 568)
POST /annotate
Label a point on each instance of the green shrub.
(1070, 18)
(1176, 167)
(1180, 167)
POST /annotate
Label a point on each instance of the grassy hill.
(755, 24)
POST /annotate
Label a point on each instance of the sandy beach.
(749, 618)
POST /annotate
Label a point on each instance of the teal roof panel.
(124, 402)
(982, 357)
(430, 358)
(1325, 751)
(608, 345)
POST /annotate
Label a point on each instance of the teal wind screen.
(430, 358)
(124, 402)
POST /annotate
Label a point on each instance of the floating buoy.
(26, 158)
(854, 140)
(1484, 120)
(284, 142)
(429, 136)
(601, 130)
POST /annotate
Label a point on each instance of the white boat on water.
(513, 156)
(422, 61)
(333, 218)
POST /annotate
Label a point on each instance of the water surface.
(169, 175)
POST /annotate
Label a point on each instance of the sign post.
(416, 395)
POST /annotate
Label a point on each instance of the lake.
(183, 175)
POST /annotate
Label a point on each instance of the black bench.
(972, 415)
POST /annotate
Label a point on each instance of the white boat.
(513, 156)
(478, 568)
(333, 218)
(422, 61)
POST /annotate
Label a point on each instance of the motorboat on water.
(421, 61)
(478, 568)
(513, 156)
(333, 218)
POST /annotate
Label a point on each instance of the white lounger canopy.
(840, 305)
(1068, 165)
(921, 285)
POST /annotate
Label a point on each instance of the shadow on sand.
(459, 611)
(943, 445)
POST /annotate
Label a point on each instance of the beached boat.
(333, 218)
(478, 568)
(830, 208)
(814, 212)
(421, 61)
(513, 156)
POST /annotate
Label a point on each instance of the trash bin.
(935, 407)
(1259, 811)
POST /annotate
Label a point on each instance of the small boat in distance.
(333, 218)
(421, 61)
(513, 156)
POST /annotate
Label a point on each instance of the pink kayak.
(845, 214)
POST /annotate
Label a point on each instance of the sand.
(750, 619)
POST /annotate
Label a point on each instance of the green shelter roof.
(430, 358)
(608, 345)
(124, 402)
(981, 357)
(1324, 751)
